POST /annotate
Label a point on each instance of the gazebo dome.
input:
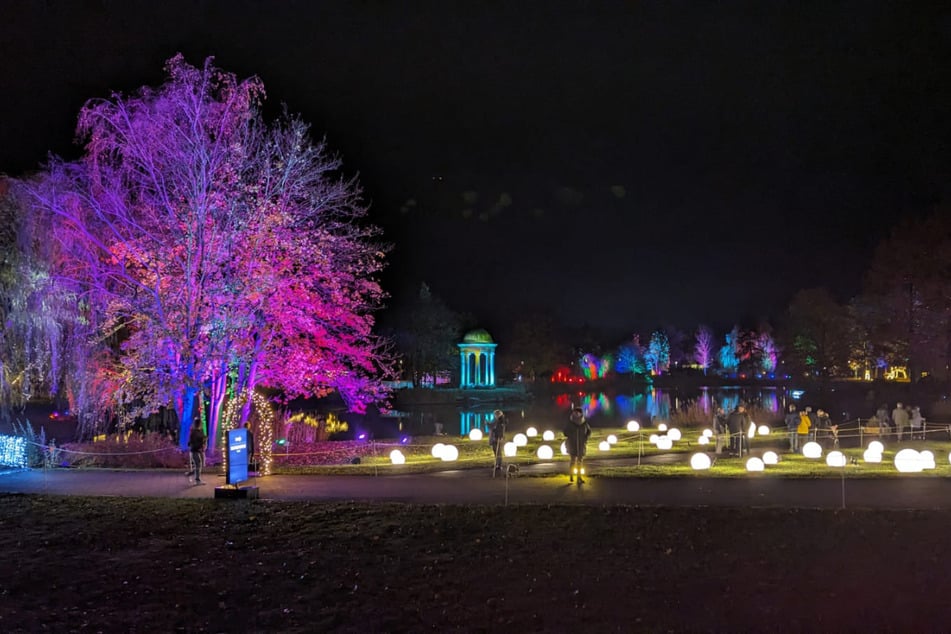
(479, 335)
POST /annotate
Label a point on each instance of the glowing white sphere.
(450, 453)
(872, 456)
(438, 449)
(604, 445)
(700, 461)
(654, 437)
(708, 433)
(612, 439)
(703, 440)
(763, 430)
(548, 436)
(674, 434)
(876, 446)
(475, 434)
(836, 459)
(770, 457)
(908, 461)
(564, 449)
(812, 450)
(520, 440)
(397, 457)
(531, 432)
(633, 425)
(927, 459)
(545, 453)
(755, 464)
(509, 449)
(662, 427)
(665, 443)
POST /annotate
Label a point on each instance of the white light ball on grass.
(755, 464)
(872, 456)
(531, 432)
(397, 457)
(876, 446)
(700, 461)
(927, 459)
(548, 436)
(662, 427)
(812, 450)
(665, 443)
(708, 433)
(763, 430)
(654, 437)
(545, 453)
(520, 440)
(770, 457)
(836, 459)
(509, 449)
(674, 434)
(703, 440)
(633, 425)
(438, 449)
(475, 434)
(564, 448)
(450, 453)
(908, 461)
(604, 445)
(612, 439)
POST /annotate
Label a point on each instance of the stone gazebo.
(477, 360)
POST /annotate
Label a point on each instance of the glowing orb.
(699, 461)
(664, 442)
(662, 427)
(763, 430)
(545, 453)
(927, 459)
(564, 449)
(604, 445)
(509, 449)
(654, 437)
(531, 432)
(755, 464)
(475, 434)
(836, 459)
(703, 440)
(438, 449)
(752, 430)
(633, 425)
(397, 457)
(908, 461)
(450, 453)
(770, 457)
(708, 433)
(612, 439)
(674, 434)
(812, 450)
(876, 446)
(520, 440)
(872, 456)
(548, 436)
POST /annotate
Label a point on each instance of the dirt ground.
(166, 565)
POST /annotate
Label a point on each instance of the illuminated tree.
(703, 349)
(226, 250)
(768, 352)
(657, 356)
(630, 357)
(817, 334)
(728, 356)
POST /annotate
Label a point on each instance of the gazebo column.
(491, 368)
(463, 366)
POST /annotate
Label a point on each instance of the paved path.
(478, 487)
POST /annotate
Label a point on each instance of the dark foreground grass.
(161, 565)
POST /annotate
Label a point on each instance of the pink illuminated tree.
(703, 350)
(228, 252)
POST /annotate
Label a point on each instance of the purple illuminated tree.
(704, 347)
(226, 251)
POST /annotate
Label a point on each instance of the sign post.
(237, 456)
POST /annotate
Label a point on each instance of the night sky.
(626, 165)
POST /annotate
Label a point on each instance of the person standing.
(721, 429)
(497, 439)
(577, 432)
(792, 422)
(900, 418)
(738, 421)
(917, 423)
(197, 441)
(250, 443)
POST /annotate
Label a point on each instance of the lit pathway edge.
(478, 488)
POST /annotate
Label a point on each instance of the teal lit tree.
(658, 353)
(728, 357)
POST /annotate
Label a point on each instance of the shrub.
(131, 450)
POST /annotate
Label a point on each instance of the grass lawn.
(165, 565)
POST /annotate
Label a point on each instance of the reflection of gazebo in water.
(477, 360)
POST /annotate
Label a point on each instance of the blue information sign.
(237, 456)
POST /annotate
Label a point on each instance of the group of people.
(576, 431)
(902, 418)
(730, 430)
(805, 424)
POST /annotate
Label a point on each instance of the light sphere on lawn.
(703, 440)
(770, 457)
(876, 446)
(520, 440)
(674, 434)
(653, 439)
(438, 449)
(812, 450)
(662, 427)
(397, 457)
(531, 432)
(836, 459)
(763, 430)
(908, 461)
(475, 434)
(752, 430)
(545, 453)
(612, 439)
(872, 456)
(755, 464)
(633, 425)
(548, 436)
(450, 453)
(708, 433)
(665, 443)
(509, 449)
(927, 459)
(564, 448)
(604, 445)
(700, 461)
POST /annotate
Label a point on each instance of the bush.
(131, 450)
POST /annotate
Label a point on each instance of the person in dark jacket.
(792, 422)
(250, 432)
(497, 439)
(720, 429)
(577, 432)
(197, 441)
(738, 422)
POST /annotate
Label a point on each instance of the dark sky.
(622, 164)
